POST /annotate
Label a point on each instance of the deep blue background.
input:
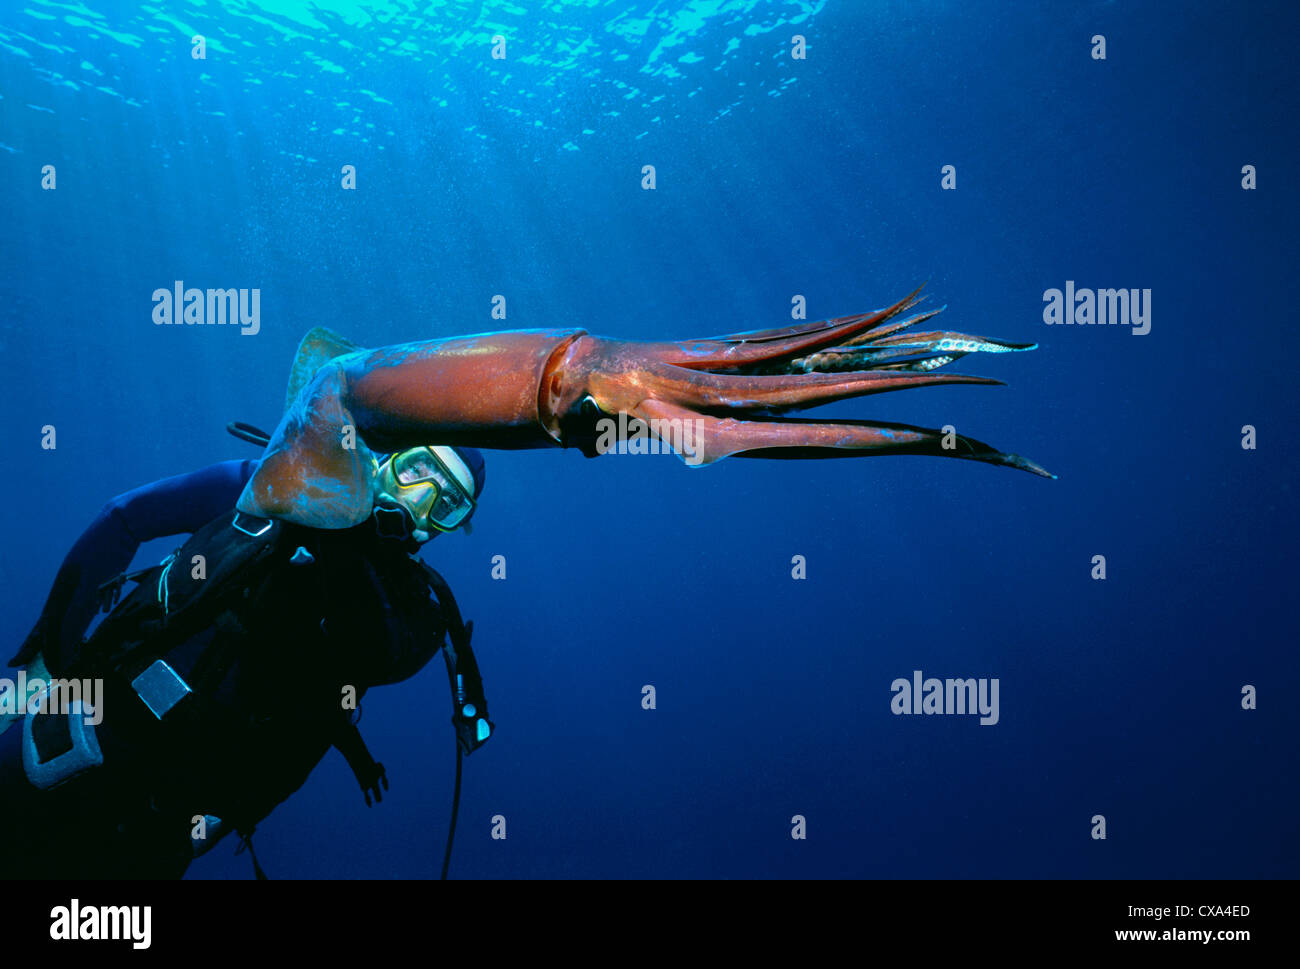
(775, 177)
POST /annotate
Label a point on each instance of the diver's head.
(426, 490)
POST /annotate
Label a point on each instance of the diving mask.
(432, 484)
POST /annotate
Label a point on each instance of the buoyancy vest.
(233, 666)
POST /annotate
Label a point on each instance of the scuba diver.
(223, 684)
(231, 669)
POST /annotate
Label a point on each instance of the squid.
(553, 388)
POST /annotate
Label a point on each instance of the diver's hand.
(372, 782)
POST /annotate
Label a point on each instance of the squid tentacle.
(758, 438)
(770, 372)
(787, 391)
(741, 349)
(873, 341)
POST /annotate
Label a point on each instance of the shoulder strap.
(173, 603)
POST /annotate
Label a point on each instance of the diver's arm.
(176, 505)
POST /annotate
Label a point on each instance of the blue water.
(775, 177)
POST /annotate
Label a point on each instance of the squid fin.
(317, 348)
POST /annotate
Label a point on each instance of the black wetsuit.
(329, 612)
